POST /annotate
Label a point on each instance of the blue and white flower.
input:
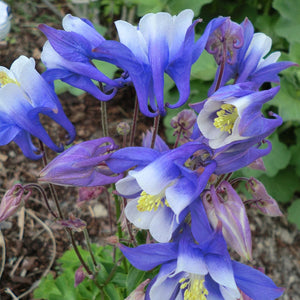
(24, 94)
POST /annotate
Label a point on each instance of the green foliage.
(293, 213)
(114, 281)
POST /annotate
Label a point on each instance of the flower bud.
(87, 194)
(225, 205)
(261, 199)
(123, 128)
(183, 123)
(138, 293)
(227, 38)
(258, 164)
(12, 200)
(79, 276)
(82, 165)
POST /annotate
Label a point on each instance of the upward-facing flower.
(251, 63)
(199, 267)
(24, 94)
(232, 115)
(161, 187)
(160, 44)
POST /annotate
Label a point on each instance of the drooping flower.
(68, 56)
(24, 94)
(82, 165)
(201, 269)
(232, 116)
(160, 44)
(224, 204)
(161, 187)
(5, 17)
(251, 63)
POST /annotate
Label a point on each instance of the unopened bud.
(261, 199)
(112, 240)
(79, 276)
(86, 194)
(12, 201)
(138, 293)
(123, 128)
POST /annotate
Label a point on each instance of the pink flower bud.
(261, 199)
(258, 164)
(138, 293)
(225, 205)
(12, 200)
(183, 123)
(86, 194)
(79, 276)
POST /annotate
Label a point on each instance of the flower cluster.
(184, 196)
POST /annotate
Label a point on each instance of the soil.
(28, 236)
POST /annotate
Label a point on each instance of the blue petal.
(147, 257)
(254, 283)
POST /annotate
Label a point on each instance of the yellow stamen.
(5, 79)
(194, 289)
(226, 117)
(149, 202)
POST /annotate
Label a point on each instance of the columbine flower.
(261, 199)
(224, 204)
(24, 95)
(251, 63)
(5, 16)
(232, 115)
(160, 44)
(161, 188)
(201, 270)
(224, 42)
(12, 201)
(82, 165)
(68, 54)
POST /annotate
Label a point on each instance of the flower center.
(148, 202)
(226, 117)
(5, 79)
(194, 288)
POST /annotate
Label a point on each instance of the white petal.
(128, 186)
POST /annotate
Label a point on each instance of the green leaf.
(204, 68)
(62, 87)
(48, 287)
(105, 67)
(134, 278)
(111, 292)
(176, 6)
(288, 26)
(294, 212)
(288, 99)
(295, 150)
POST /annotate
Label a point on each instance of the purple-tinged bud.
(261, 199)
(86, 194)
(225, 205)
(123, 128)
(73, 223)
(139, 292)
(79, 276)
(183, 123)
(12, 201)
(82, 165)
(224, 42)
(258, 164)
